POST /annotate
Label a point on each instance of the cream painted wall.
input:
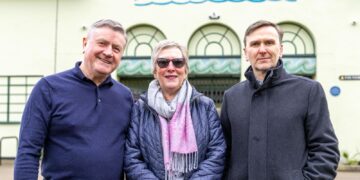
(28, 39)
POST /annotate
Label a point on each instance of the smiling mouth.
(263, 59)
(105, 61)
(170, 77)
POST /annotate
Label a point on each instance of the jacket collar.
(272, 75)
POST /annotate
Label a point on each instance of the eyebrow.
(108, 42)
(101, 40)
(254, 41)
(265, 40)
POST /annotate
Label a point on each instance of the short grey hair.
(165, 44)
(112, 24)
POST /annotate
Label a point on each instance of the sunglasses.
(164, 62)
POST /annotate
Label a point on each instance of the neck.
(94, 78)
(169, 95)
(260, 75)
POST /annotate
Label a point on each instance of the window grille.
(14, 92)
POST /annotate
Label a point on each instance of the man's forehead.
(263, 34)
(104, 34)
(102, 31)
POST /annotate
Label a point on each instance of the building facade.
(321, 41)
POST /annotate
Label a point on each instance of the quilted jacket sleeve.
(134, 165)
(213, 165)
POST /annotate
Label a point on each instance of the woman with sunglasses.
(175, 131)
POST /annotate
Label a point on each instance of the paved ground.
(6, 172)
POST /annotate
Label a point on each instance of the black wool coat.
(280, 130)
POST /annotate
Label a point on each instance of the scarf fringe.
(181, 163)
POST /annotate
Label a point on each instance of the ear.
(281, 51)
(154, 74)
(84, 43)
(246, 56)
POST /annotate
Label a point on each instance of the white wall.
(28, 39)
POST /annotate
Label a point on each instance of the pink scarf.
(178, 136)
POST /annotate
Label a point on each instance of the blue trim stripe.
(180, 2)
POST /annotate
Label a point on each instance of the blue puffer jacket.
(144, 154)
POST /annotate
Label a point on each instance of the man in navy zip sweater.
(79, 117)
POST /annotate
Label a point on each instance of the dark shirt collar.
(79, 74)
(271, 75)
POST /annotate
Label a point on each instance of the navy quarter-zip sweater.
(81, 127)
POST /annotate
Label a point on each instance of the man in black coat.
(276, 125)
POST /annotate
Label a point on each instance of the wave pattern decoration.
(215, 66)
(301, 66)
(182, 2)
(228, 66)
(134, 68)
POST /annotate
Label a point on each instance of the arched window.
(136, 61)
(141, 40)
(135, 66)
(215, 53)
(299, 50)
(214, 40)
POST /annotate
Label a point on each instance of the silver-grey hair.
(112, 24)
(165, 44)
